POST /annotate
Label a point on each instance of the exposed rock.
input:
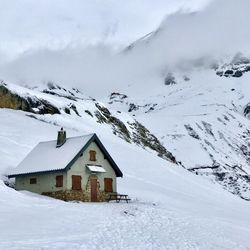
(70, 97)
(139, 134)
(142, 136)
(247, 110)
(192, 132)
(88, 112)
(228, 72)
(234, 179)
(67, 110)
(237, 73)
(104, 116)
(169, 79)
(11, 100)
(236, 68)
(73, 107)
(208, 128)
(116, 95)
(133, 107)
(219, 73)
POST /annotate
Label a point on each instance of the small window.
(59, 181)
(108, 185)
(92, 155)
(33, 181)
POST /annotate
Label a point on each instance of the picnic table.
(118, 197)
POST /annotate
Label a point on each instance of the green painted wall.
(79, 168)
(45, 182)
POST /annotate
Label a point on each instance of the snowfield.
(171, 208)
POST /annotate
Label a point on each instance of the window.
(108, 185)
(76, 182)
(92, 155)
(59, 181)
(33, 181)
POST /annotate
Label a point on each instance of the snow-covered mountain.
(190, 211)
(176, 121)
(202, 117)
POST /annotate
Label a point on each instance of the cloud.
(221, 29)
(34, 24)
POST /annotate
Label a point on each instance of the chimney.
(61, 138)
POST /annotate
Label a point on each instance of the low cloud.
(220, 30)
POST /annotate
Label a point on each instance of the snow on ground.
(170, 209)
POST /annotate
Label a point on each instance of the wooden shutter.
(92, 155)
(59, 181)
(108, 185)
(76, 182)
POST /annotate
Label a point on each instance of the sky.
(79, 43)
(34, 24)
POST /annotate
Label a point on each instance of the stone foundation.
(74, 195)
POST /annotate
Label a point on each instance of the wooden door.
(76, 182)
(93, 190)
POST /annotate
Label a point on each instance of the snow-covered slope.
(171, 208)
(202, 121)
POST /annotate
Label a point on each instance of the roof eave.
(40, 172)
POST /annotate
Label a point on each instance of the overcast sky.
(71, 42)
(32, 24)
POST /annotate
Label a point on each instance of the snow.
(170, 208)
(46, 156)
(201, 203)
(213, 107)
(97, 169)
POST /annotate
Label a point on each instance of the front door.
(93, 190)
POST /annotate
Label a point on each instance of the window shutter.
(59, 181)
(108, 185)
(76, 182)
(92, 155)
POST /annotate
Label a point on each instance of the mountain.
(200, 112)
(190, 211)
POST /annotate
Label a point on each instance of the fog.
(219, 30)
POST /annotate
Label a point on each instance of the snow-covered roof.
(96, 169)
(47, 157)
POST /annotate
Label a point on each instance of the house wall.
(79, 168)
(45, 182)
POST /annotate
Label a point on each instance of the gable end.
(95, 139)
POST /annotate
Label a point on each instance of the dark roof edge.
(40, 172)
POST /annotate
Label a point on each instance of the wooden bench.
(118, 197)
